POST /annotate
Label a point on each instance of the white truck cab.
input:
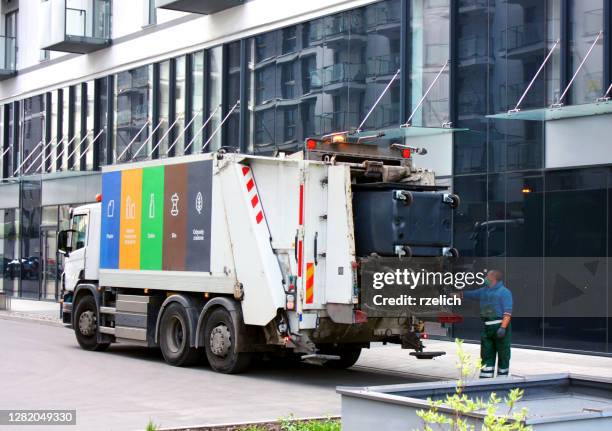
(80, 246)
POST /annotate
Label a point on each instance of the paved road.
(42, 367)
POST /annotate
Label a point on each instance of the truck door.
(75, 262)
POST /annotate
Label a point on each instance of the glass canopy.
(557, 112)
(405, 132)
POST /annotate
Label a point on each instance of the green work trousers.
(492, 348)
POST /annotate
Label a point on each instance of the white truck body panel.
(341, 238)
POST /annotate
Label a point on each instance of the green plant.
(495, 418)
(254, 428)
(290, 424)
(151, 426)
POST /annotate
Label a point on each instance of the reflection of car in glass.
(489, 237)
(28, 267)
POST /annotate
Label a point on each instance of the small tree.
(496, 418)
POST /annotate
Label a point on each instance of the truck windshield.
(79, 224)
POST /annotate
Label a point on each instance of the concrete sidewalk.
(27, 309)
(392, 359)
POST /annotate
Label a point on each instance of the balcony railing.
(522, 36)
(473, 4)
(334, 26)
(336, 73)
(472, 47)
(75, 26)
(8, 57)
(205, 7)
(383, 65)
(383, 14)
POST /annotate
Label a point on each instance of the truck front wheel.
(174, 336)
(220, 344)
(86, 324)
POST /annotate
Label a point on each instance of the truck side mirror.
(64, 241)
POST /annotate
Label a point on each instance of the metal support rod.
(605, 97)
(64, 149)
(378, 100)
(79, 145)
(6, 151)
(27, 158)
(149, 138)
(560, 102)
(407, 124)
(550, 53)
(187, 126)
(133, 140)
(40, 155)
(50, 154)
(44, 160)
(166, 133)
(210, 117)
(91, 143)
(220, 125)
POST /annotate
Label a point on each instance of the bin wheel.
(86, 325)
(174, 336)
(220, 341)
(455, 201)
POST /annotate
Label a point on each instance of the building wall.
(535, 195)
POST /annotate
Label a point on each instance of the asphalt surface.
(42, 367)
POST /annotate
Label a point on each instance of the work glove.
(501, 332)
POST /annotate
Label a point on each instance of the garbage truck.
(223, 257)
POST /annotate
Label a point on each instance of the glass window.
(196, 132)
(132, 114)
(586, 21)
(31, 220)
(104, 109)
(79, 237)
(33, 134)
(164, 121)
(429, 25)
(215, 72)
(179, 100)
(74, 156)
(232, 125)
(9, 251)
(67, 139)
(50, 165)
(553, 68)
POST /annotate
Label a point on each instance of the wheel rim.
(220, 340)
(87, 323)
(175, 334)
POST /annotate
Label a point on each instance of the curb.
(240, 425)
(20, 316)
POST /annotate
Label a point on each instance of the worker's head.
(494, 276)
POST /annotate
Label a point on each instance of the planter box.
(555, 402)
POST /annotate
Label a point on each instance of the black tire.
(220, 343)
(175, 336)
(348, 353)
(86, 325)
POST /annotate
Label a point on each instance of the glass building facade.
(471, 58)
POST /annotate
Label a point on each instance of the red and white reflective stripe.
(301, 223)
(249, 182)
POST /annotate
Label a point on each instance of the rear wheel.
(348, 353)
(174, 336)
(220, 344)
(86, 324)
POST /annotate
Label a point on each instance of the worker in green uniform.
(496, 313)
